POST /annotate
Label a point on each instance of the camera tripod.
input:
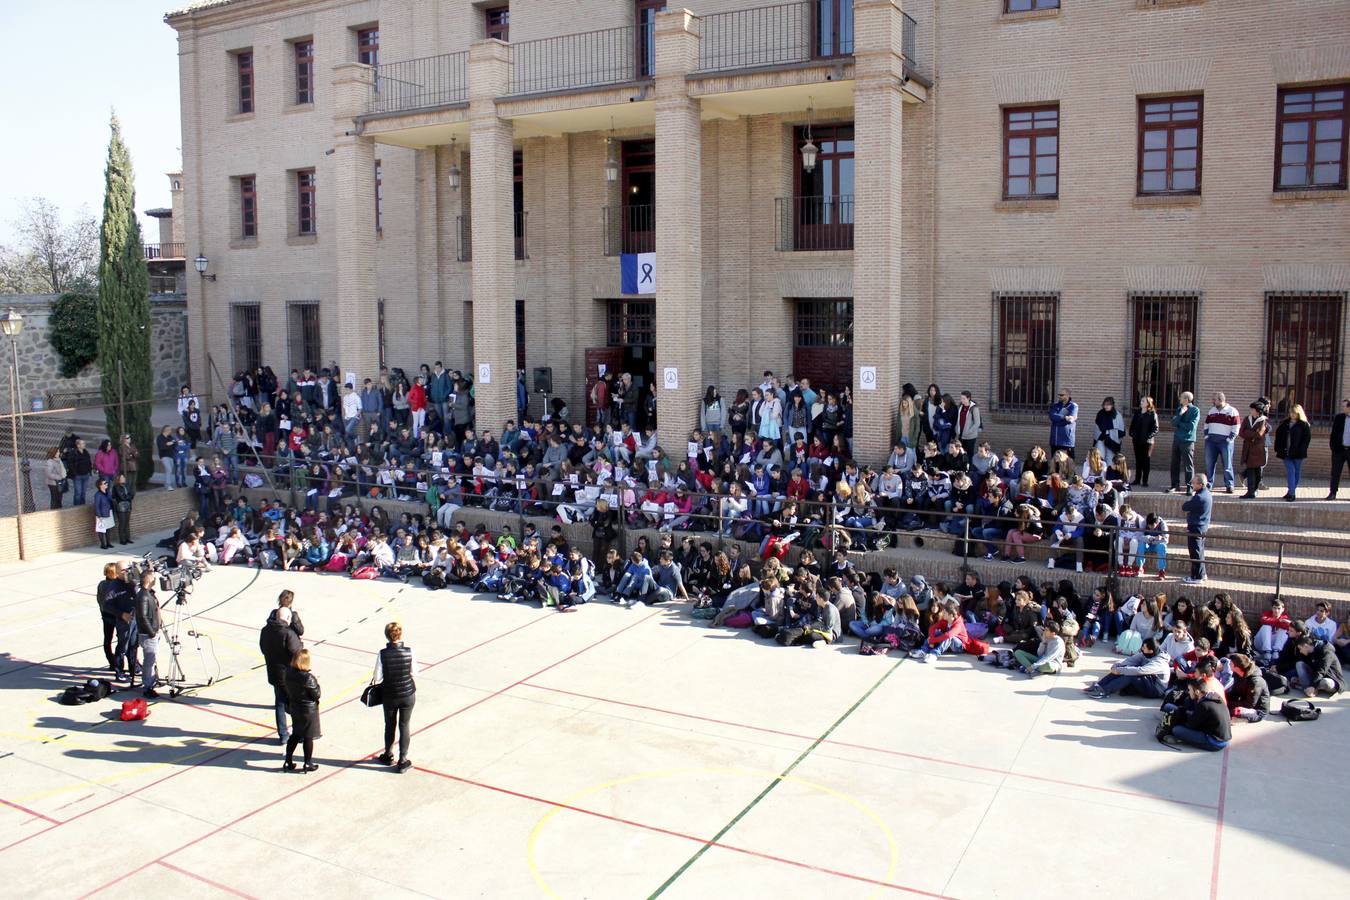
(181, 615)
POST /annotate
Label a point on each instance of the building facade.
(1125, 197)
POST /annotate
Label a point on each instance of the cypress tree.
(124, 309)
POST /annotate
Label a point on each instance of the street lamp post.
(11, 325)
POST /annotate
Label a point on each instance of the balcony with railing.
(815, 223)
(629, 228)
(426, 83)
(785, 34)
(163, 251)
(464, 237)
(591, 59)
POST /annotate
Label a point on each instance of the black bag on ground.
(1300, 711)
(80, 694)
(1277, 683)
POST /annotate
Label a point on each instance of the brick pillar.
(877, 308)
(493, 237)
(679, 227)
(351, 197)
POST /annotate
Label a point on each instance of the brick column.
(493, 236)
(877, 308)
(355, 319)
(679, 226)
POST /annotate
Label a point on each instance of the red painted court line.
(918, 756)
(337, 771)
(486, 642)
(206, 707)
(204, 880)
(32, 812)
(1218, 828)
(679, 834)
(498, 693)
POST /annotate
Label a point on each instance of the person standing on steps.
(1143, 432)
(279, 644)
(1063, 424)
(1253, 431)
(1291, 445)
(1198, 508)
(1183, 442)
(1340, 447)
(1221, 430)
(394, 668)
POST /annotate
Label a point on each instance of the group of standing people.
(296, 692)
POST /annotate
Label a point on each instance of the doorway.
(630, 347)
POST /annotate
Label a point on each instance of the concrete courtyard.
(620, 753)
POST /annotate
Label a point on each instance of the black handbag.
(373, 695)
(63, 485)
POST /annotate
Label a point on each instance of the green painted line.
(773, 784)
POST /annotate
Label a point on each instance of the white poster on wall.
(671, 378)
(867, 378)
(485, 373)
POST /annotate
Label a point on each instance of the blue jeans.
(1138, 685)
(79, 484)
(1216, 451)
(990, 535)
(950, 645)
(180, 471)
(865, 631)
(149, 651)
(1293, 471)
(1198, 738)
(279, 694)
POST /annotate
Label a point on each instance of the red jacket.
(417, 398)
(1280, 623)
(941, 631)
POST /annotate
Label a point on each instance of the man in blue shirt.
(1198, 508)
(1063, 424)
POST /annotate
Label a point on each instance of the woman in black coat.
(394, 669)
(1291, 445)
(302, 695)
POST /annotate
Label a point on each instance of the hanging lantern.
(453, 173)
(809, 153)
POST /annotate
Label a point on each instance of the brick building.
(1122, 196)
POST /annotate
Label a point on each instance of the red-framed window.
(1164, 351)
(1031, 152)
(304, 72)
(823, 213)
(1303, 352)
(1311, 125)
(497, 23)
(243, 66)
(379, 197)
(1170, 140)
(307, 204)
(248, 206)
(1013, 6)
(1028, 349)
(368, 45)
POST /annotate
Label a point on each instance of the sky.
(71, 63)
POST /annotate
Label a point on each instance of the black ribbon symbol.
(647, 269)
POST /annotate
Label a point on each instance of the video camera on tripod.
(176, 578)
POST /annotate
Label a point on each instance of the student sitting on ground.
(1145, 674)
(1049, 657)
(946, 635)
(1317, 667)
(1202, 721)
(1248, 697)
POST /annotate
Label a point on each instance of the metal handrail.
(423, 83)
(583, 60)
(171, 250)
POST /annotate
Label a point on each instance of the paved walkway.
(622, 753)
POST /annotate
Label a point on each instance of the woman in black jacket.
(302, 694)
(121, 504)
(394, 668)
(1143, 432)
(1291, 445)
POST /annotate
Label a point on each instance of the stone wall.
(40, 364)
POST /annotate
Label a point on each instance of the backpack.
(91, 690)
(1300, 711)
(366, 573)
(434, 578)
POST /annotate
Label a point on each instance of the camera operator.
(109, 590)
(279, 643)
(148, 625)
(286, 600)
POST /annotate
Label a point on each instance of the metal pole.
(1279, 569)
(25, 498)
(14, 444)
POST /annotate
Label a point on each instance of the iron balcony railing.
(420, 83)
(815, 223)
(164, 251)
(464, 242)
(785, 34)
(629, 228)
(589, 59)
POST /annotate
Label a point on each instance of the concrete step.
(1320, 544)
(1310, 512)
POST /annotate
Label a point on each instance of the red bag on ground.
(976, 647)
(366, 573)
(740, 620)
(135, 710)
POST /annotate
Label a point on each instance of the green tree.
(74, 331)
(124, 308)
